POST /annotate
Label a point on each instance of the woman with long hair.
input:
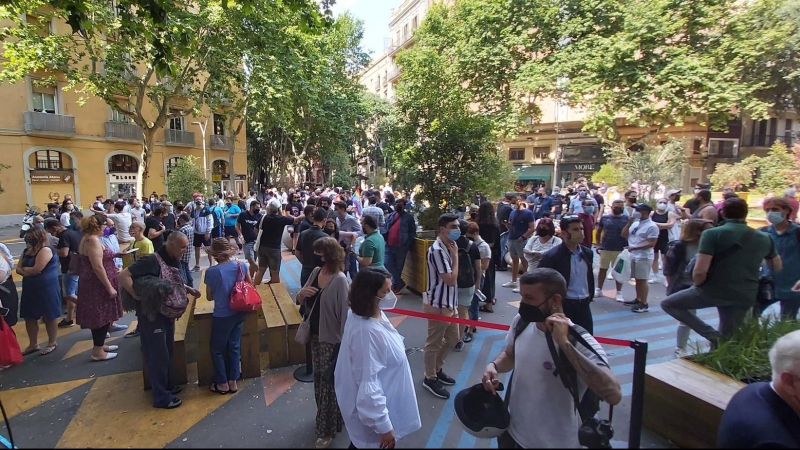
(678, 258)
(346, 239)
(489, 230)
(41, 290)
(227, 324)
(100, 304)
(543, 240)
(325, 296)
(372, 377)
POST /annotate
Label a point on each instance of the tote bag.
(244, 296)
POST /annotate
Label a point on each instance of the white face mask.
(388, 301)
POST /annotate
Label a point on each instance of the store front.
(123, 176)
(221, 179)
(51, 176)
(569, 173)
(530, 178)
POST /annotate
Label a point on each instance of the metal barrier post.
(305, 374)
(637, 394)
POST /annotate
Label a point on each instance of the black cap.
(643, 207)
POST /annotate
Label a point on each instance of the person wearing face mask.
(372, 250)
(372, 379)
(588, 218)
(441, 299)
(786, 237)
(610, 245)
(399, 231)
(272, 226)
(67, 247)
(544, 240)
(521, 228)
(665, 221)
(692, 204)
(767, 414)
(325, 296)
(203, 223)
(630, 202)
(67, 207)
(577, 202)
(542, 411)
(231, 212)
(574, 262)
(137, 212)
(642, 234)
(305, 245)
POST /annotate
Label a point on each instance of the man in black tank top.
(705, 209)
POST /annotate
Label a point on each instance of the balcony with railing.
(46, 123)
(220, 142)
(394, 74)
(179, 137)
(766, 140)
(121, 131)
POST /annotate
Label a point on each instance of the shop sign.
(216, 177)
(123, 178)
(47, 176)
(580, 167)
(226, 176)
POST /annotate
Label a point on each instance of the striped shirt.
(439, 262)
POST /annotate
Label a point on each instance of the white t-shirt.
(534, 244)
(122, 222)
(138, 214)
(483, 248)
(5, 267)
(638, 235)
(675, 231)
(542, 410)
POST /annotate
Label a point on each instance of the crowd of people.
(352, 246)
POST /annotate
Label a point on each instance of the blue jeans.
(353, 265)
(394, 261)
(473, 307)
(226, 352)
(158, 343)
(503, 245)
(187, 274)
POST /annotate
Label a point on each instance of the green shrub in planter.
(744, 356)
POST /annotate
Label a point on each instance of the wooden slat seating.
(180, 363)
(282, 319)
(203, 315)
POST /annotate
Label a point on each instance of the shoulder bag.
(257, 244)
(303, 334)
(244, 296)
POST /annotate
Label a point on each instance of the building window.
(44, 99)
(725, 148)
(43, 29)
(48, 160)
(123, 163)
(694, 175)
(176, 123)
(696, 145)
(414, 23)
(541, 154)
(385, 76)
(405, 32)
(172, 163)
(117, 116)
(219, 167)
(516, 154)
(219, 125)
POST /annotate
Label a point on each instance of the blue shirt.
(520, 220)
(231, 221)
(612, 226)
(788, 248)
(576, 204)
(221, 278)
(578, 288)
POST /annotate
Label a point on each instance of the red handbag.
(244, 296)
(10, 353)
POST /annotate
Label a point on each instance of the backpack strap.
(518, 329)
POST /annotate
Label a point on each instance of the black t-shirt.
(305, 244)
(310, 303)
(169, 221)
(148, 265)
(691, 205)
(302, 226)
(154, 223)
(385, 207)
(68, 239)
(273, 225)
(242, 205)
(503, 213)
(294, 209)
(248, 223)
(600, 202)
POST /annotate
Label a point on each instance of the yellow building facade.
(53, 146)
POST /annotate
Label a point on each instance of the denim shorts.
(69, 285)
(249, 252)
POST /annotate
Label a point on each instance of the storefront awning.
(537, 172)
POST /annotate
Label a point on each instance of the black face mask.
(257, 211)
(542, 232)
(328, 232)
(530, 313)
(632, 200)
(617, 210)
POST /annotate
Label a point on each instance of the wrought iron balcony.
(123, 131)
(39, 122)
(220, 142)
(179, 137)
(766, 140)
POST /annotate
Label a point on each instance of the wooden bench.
(282, 319)
(180, 363)
(203, 316)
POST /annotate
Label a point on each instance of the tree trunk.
(148, 139)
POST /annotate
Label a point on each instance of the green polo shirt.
(735, 277)
(373, 247)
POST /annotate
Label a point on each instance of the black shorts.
(200, 240)
(217, 233)
(231, 232)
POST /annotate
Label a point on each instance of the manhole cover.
(412, 350)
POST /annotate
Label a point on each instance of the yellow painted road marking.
(83, 346)
(22, 335)
(17, 401)
(120, 398)
(11, 240)
(514, 304)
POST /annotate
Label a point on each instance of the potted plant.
(685, 397)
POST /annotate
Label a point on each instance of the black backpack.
(466, 269)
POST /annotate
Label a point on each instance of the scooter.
(27, 221)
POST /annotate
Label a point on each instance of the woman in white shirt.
(543, 240)
(473, 233)
(372, 377)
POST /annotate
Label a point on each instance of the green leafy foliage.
(745, 356)
(774, 170)
(186, 178)
(610, 174)
(732, 175)
(651, 164)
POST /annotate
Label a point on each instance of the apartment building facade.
(55, 146)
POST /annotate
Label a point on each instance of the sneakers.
(117, 327)
(598, 293)
(510, 284)
(681, 353)
(609, 276)
(467, 338)
(634, 302)
(459, 346)
(132, 334)
(653, 279)
(196, 269)
(515, 290)
(619, 297)
(435, 387)
(640, 308)
(445, 379)
(66, 323)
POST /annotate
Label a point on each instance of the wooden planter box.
(684, 402)
(415, 273)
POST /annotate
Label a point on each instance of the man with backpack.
(543, 406)
(217, 220)
(469, 270)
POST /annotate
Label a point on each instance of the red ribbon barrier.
(490, 325)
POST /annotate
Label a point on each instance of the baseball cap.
(643, 207)
(673, 192)
(196, 194)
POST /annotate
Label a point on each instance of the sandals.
(30, 350)
(49, 349)
(213, 388)
(485, 308)
(323, 442)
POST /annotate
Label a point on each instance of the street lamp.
(203, 126)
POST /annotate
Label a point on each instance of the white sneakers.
(515, 290)
(598, 293)
(619, 297)
(510, 284)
